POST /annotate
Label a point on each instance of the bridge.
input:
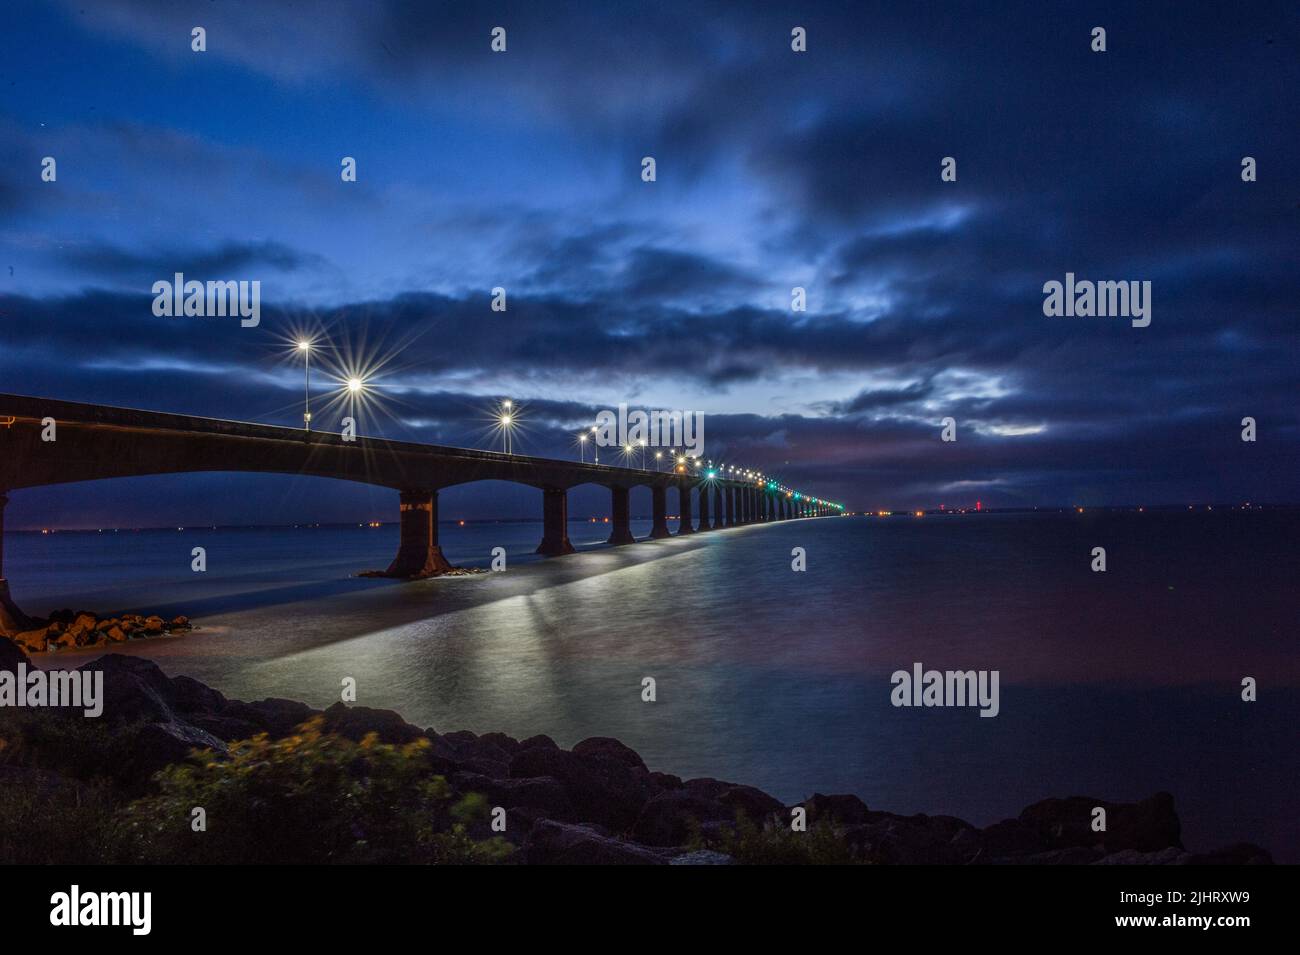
(95, 442)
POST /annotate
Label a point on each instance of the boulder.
(1146, 826)
(11, 654)
(355, 722)
(754, 803)
(32, 641)
(508, 745)
(672, 817)
(702, 857)
(134, 689)
(277, 717)
(847, 809)
(666, 781)
(1242, 853)
(607, 748)
(538, 742)
(602, 790)
(543, 794)
(558, 843)
(159, 744)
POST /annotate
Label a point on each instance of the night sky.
(774, 170)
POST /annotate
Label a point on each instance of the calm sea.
(1113, 684)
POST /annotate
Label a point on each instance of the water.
(1114, 685)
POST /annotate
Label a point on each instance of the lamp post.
(304, 346)
(507, 421)
(595, 445)
(582, 446)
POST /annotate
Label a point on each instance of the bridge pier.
(730, 493)
(705, 523)
(684, 510)
(418, 553)
(622, 517)
(718, 522)
(659, 498)
(555, 524)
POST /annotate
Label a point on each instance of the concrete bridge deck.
(95, 442)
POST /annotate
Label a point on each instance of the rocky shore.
(597, 803)
(68, 629)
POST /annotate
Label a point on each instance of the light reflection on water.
(1114, 685)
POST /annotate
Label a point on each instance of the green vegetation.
(310, 798)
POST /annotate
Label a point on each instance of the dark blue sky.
(775, 169)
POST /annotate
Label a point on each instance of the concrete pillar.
(751, 511)
(782, 508)
(659, 497)
(731, 505)
(622, 517)
(555, 524)
(684, 509)
(718, 508)
(705, 523)
(418, 553)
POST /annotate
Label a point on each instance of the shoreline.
(595, 803)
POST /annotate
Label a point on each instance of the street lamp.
(507, 422)
(304, 346)
(595, 445)
(659, 456)
(582, 445)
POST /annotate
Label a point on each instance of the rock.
(277, 717)
(605, 747)
(115, 634)
(538, 742)
(1010, 837)
(847, 809)
(754, 803)
(544, 794)
(33, 641)
(1075, 855)
(672, 817)
(191, 697)
(134, 689)
(508, 745)
(355, 722)
(1242, 853)
(602, 790)
(1146, 826)
(666, 781)
(702, 857)
(558, 843)
(11, 654)
(460, 738)
(153, 625)
(159, 744)
(179, 623)
(1170, 855)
